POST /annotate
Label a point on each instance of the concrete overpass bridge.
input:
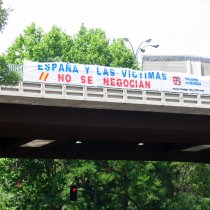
(40, 120)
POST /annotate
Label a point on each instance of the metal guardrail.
(16, 67)
(36, 93)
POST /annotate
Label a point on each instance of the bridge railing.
(105, 94)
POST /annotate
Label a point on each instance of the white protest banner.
(102, 76)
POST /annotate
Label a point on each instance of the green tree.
(4, 13)
(128, 185)
(7, 76)
(41, 188)
(90, 46)
(26, 46)
(55, 46)
(121, 56)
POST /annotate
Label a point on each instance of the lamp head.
(142, 50)
(148, 40)
(155, 46)
(126, 39)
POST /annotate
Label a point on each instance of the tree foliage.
(4, 13)
(129, 185)
(7, 76)
(88, 46)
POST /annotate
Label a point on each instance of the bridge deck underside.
(105, 134)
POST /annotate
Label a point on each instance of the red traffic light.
(73, 192)
(74, 189)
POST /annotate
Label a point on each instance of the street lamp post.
(139, 49)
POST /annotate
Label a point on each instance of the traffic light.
(73, 192)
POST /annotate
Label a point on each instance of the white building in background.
(199, 66)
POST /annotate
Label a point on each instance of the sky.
(180, 27)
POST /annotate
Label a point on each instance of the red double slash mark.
(43, 76)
